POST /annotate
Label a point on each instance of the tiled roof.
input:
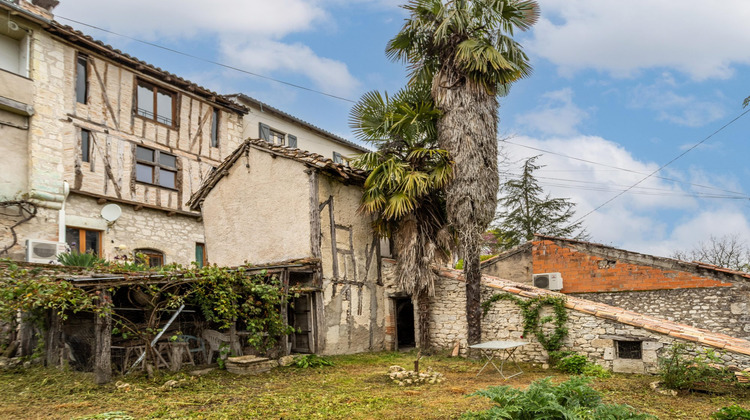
(310, 159)
(264, 106)
(601, 310)
(84, 41)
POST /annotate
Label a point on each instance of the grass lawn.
(357, 387)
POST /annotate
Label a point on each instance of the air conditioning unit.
(551, 281)
(44, 252)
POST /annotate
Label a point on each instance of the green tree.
(464, 50)
(404, 191)
(728, 251)
(527, 210)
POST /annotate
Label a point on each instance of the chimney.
(41, 8)
(47, 5)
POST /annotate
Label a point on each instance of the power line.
(623, 169)
(207, 60)
(662, 167)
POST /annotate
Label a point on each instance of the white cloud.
(702, 39)
(249, 33)
(268, 57)
(657, 217)
(557, 116)
(670, 106)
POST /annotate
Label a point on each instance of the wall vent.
(44, 252)
(551, 281)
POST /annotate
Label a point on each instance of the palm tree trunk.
(468, 131)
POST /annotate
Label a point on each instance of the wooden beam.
(103, 343)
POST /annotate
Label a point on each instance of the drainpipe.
(61, 213)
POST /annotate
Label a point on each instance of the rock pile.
(404, 377)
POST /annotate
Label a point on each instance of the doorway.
(301, 317)
(405, 337)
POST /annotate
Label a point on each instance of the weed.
(732, 412)
(312, 361)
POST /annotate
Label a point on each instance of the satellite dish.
(111, 212)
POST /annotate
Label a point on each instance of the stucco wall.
(259, 213)
(515, 265)
(354, 305)
(14, 152)
(307, 139)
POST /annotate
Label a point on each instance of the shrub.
(573, 400)
(312, 361)
(679, 370)
(77, 259)
(593, 370)
(732, 412)
(575, 363)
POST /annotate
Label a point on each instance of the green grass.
(356, 387)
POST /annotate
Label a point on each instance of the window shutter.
(291, 140)
(265, 132)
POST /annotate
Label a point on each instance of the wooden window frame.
(82, 239)
(85, 151)
(150, 253)
(155, 89)
(85, 58)
(204, 260)
(215, 119)
(157, 168)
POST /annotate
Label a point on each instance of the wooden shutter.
(291, 140)
(264, 132)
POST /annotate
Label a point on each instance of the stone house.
(269, 203)
(282, 129)
(89, 129)
(615, 338)
(692, 293)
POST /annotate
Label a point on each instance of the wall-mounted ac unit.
(44, 252)
(551, 281)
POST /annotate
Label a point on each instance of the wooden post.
(284, 310)
(175, 356)
(315, 224)
(103, 346)
(234, 342)
(54, 343)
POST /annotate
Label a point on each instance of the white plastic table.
(503, 349)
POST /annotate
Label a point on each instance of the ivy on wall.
(533, 321)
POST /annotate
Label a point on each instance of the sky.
(619, 90)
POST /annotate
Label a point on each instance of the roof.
(312, 160)
(630, 256)
(265, 107)
(82, 40)
(612, 313)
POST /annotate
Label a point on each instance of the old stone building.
(270, 203)
(693, 293)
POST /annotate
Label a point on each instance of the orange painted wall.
(586, 273)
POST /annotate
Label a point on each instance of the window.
(338, 158)
(149, 257)
(155, 167)
(85, 145)
(629, 349)
(155, 103)
(292, 140)
(84, 240)
(200, 254)
(82, 78)
(14, 50)
(215, 129)
(272, 136)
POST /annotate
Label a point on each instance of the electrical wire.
(661, 167)
(195, 57)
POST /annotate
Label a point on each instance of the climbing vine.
(532, 319)
(26, 212)
(223, 295)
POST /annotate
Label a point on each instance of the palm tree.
(404, 191)
(465, 51)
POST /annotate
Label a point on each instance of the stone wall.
(722, 310)
(174, 235)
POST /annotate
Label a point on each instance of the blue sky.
(624, 87)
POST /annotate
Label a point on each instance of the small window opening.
(149, 257)
(215, 129)
(85, 145)
(629, 349)
(82, 79)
